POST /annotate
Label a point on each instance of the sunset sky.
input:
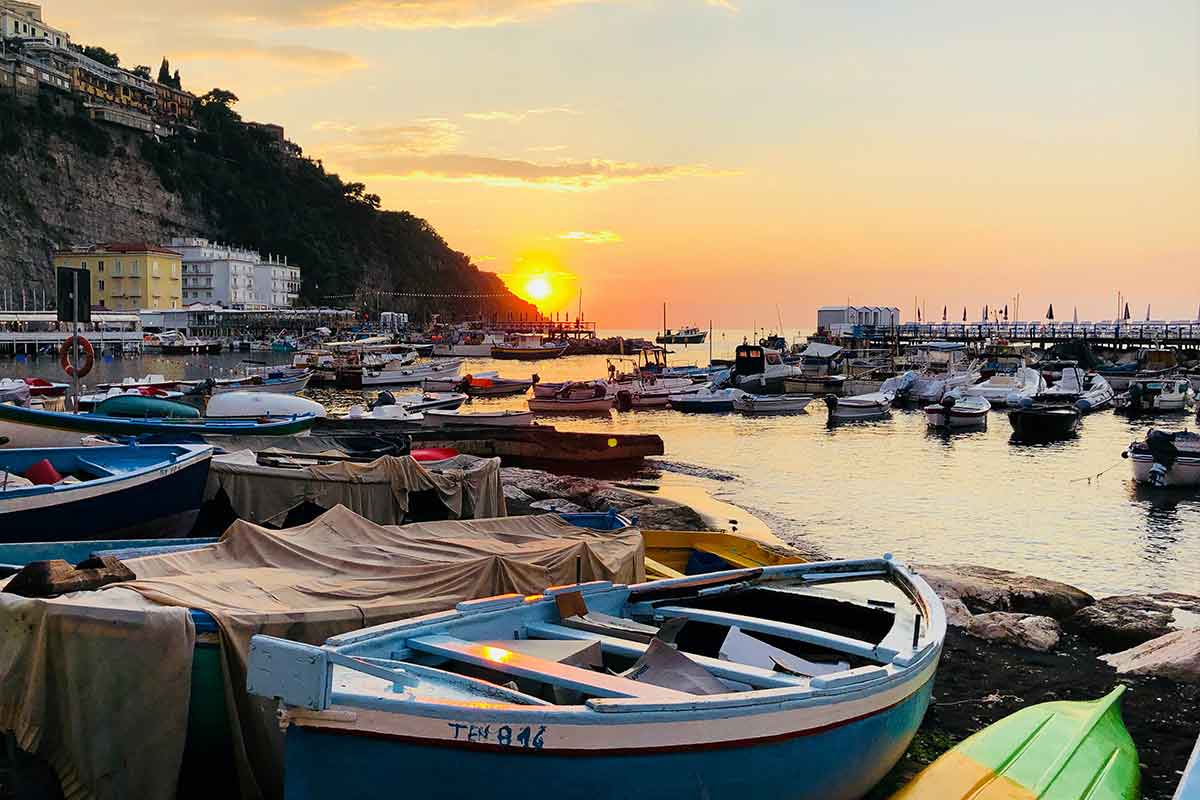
(729, 157)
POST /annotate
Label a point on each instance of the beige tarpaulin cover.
(469, 487)
(338, 573)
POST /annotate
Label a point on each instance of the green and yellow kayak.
(1052, 751)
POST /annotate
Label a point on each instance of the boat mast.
(664, 319)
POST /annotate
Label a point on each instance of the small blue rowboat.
(121, 491)
(800, 681)
(32, 427)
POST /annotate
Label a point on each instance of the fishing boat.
(872, 406)
(360, 377)
(274, 381)
(568, 405)
(261, 405)
(757, 405)
(1166, 459)
(1189, 785)
(706, 401)
(491, 419)
(759, 370)
(1040, 422)
(1066, 750)
(1010, 383)
(572, 389)
(1086, 391)
(495, 386)
(687, 335)
(1154, 395)
(957, 412)
(526, 347)
(782, 673)
(101, 492)
(174, 343)
(30, 427)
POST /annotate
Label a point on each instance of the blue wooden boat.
(800, 681)
(122, 491)
(32, 427)
(1189, 785)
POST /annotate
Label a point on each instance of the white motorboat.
(1011, 384)
(494, 385)
(761, 370)
(930, 387)
(453, 382)
(566, 405)
(151, 381)
(386, 361)
(361, 378)
(1155, 395)
(957, 412)
(1087, 391)
(243, 405)
(875, 405)
(762, 405)
(492, 419)
(1166, 459)
(576, 390)
(389, 413)
(706, 401)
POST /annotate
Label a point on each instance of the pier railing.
(1180, 333)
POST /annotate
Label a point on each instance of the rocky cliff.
(67, 180)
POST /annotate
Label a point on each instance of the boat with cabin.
(687, 335)
(528, 347)
(806, 681)
(1150, 364)
(468, 344)
(101, 492)
(759, 370)
(706, 401)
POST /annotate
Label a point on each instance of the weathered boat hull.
(756, 405)
(834, 759)
(163, 502)
(938, 416)
(594, 405)
(1043, 425)
(527, 353)
(1185, 472)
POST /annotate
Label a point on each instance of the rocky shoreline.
(610, 346)
(1013, 640)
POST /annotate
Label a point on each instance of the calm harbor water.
(1068, 511)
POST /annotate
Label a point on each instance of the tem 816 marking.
(525, 737)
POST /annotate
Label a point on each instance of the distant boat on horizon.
(688, 335)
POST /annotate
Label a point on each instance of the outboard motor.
(624, 400)
(1083, 406)
(1158, 475)
(384, 399)
(1017, 400)
(831, 402)
(949, 401)
(536, 379)
(1135, 396)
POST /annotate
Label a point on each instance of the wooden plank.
(842, 644)
(519, 665)
(730, 670)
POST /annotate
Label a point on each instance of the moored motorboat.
(359, 377)
(1040, 422)
(572, 389)
(706, 401)
(29, 427)
(258, 405)
(761, 370)
(757, 405)
(1154, 395)
(473, 344)
(40, 387)
(101, 492)
(1166, 459)
(568, 405)
(824, 685)
(955, 412)
(1086, 391)
(528, 348)
(88, 402)
(1067, 750)
(1011, 383)
(151, 381)
(495, 386)
(493, 419)
(872, 406)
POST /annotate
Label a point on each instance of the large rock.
(547, 486)
(957, 614)
(618, 499)
(1175, 656)
(1030, 631)
(984, 589)
(1124, 621)
(666, 517)
(518, 502)
(557, 506)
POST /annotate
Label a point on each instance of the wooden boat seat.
(842, 644)
(730, 670)
(596, 684)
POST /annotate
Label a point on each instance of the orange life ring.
(64, 357)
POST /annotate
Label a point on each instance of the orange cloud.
(518, 116)
(566, 175)
(592, 237)
(420, 137)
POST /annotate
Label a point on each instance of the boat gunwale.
(192, 454)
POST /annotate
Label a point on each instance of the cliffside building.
(234, 277)
(128, 276)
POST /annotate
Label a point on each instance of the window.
(100, 285)
(154, 268)
(117, 267)
(100, 266)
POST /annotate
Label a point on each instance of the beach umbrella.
(964, 313)
(1006, 312)
(1147, 312)
(944, 313)
(1076, 317)
(918, 313)
(1050, 312)
(1126, 312)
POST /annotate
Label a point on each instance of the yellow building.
(127, 276)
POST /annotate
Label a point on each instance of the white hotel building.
(234, 277)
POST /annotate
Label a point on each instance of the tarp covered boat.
(102, 735)
(803, 681)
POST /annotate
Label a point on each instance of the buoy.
(89, 356)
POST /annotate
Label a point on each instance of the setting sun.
(538, 288)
